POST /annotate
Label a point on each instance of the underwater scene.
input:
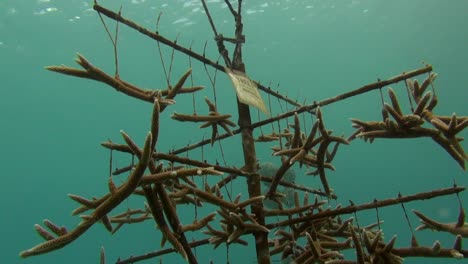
(222, 131)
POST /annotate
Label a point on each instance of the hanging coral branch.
(444, 131)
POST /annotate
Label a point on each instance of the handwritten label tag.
(246, 90)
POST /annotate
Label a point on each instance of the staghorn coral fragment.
(457, 245)
(166, 175)
(396, 105)
(428, 223)
(182, 90)
(375, 243)
(199, 224)
(89, 204)
(107, 223)
(389, 246)
(111, 185)
(99, 212)
(102, 256)
(410, 121)
(162, 102)
(173, 91)
(68, 71)
(198, 118)
(460, 126)
(410, 126)
(436, 247)
(157, 211)
(314, 248)
(98, 75)
(456, 254)
(155, 124)
(219, 237)
(213, 119)
(394, 113)
(332, 255)
(59, 231)
(267, 138)
(296, 139)
(342, 227)
(357, 245)
(250, 201)
(429, 80)
(129, 220)
(370, 125)
(43, 233)
(437, 123)
(347, 244)
(421, 107)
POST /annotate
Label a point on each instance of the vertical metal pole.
(253, 182)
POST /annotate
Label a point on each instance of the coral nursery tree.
(293, 227)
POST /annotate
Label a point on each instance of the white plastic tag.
(246, 90)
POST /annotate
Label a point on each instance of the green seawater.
(52, 125)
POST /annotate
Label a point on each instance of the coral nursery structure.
(286, 220)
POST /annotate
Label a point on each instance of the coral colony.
(287, 221)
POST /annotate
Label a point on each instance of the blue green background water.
(51, 125)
